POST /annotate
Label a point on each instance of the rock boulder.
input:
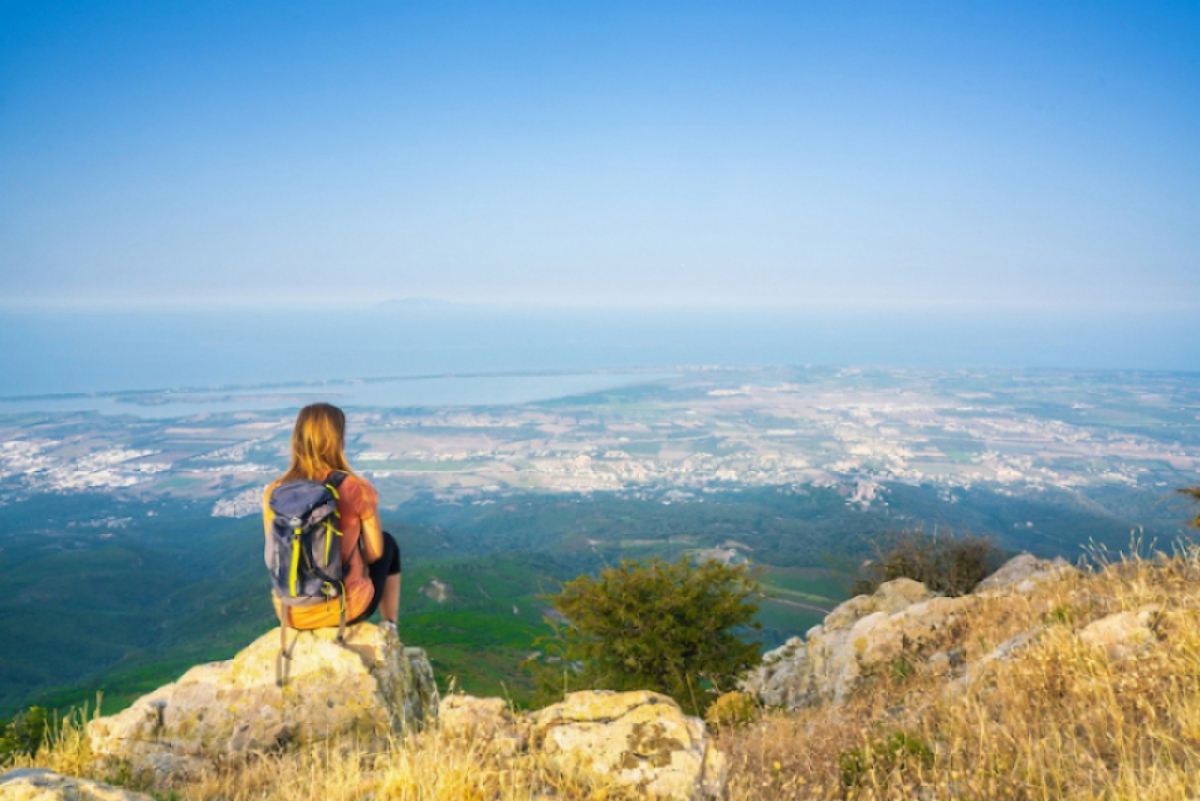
(36, 784)
(1123, 634)
(859, 638)
(1023, 571)
(891, 597)
(358, 693)
(486, 721)
(868, 633)
(641, 739)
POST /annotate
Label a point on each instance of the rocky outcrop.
(641, 739)
(472, 718)
(859, 638)
(889, 599)
(36, 784)
(359, 694)
(489, 723)
(871, 634)
(1023, 572)
(1123, 634)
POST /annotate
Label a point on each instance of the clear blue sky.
(957, 154)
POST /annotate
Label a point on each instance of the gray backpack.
(305, 555)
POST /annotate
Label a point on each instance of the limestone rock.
(1001, 653)
(1025, 568)
(866, 634)
(783, 678)
(939, 664)
(859, 638)
(36, 784)
(911, 630)
(946, 663)
(469, 717)
(359, 693)
(1122, 634)
(488, 721)
(891, 597)
(641, 739)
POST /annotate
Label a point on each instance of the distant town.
(703, 429)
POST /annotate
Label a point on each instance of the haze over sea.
(49, 353)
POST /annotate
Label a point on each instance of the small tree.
(1194, 494)
(654, 625)
(951, 565)
(24, 734)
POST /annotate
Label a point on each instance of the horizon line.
(432, 303)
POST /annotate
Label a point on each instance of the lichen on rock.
(642, 739)
(37, 784)
(486, 722)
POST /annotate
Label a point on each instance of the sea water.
(462, 354)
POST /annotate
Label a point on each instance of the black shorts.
(386, 565)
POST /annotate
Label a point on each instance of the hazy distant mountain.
(420, 304)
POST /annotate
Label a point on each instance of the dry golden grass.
(1058, 720)
(426, 767)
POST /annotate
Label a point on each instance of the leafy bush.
(951, 565)
(898, 752)
(731, 710)
(670, 628)
(24, 734)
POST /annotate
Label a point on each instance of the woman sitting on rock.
(317, 512)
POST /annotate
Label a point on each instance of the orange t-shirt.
(357, 502)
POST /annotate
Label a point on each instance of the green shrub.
(24, 734)
(654, 625)
(732, 710)
(1062, 614)
(898, 752)
(950, 565)
(901, 669)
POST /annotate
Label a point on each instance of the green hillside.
(123, 595)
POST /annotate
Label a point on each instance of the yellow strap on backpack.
(295, 573)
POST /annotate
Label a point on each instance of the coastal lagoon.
(389, 393)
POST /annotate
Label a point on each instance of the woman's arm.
(368, 514)
(372, 538)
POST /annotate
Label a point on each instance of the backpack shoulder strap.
(335, 478)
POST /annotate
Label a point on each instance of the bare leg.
(389, 604)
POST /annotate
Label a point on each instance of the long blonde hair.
(318, 443)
